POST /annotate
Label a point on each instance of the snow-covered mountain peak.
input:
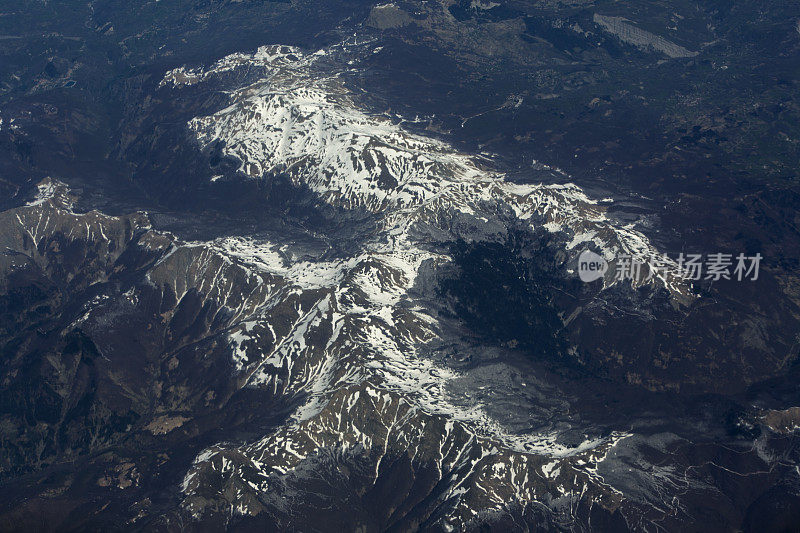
(345, 337)
(300, 120)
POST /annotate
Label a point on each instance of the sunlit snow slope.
(343, 336)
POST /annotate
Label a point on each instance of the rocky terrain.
(313, 266)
